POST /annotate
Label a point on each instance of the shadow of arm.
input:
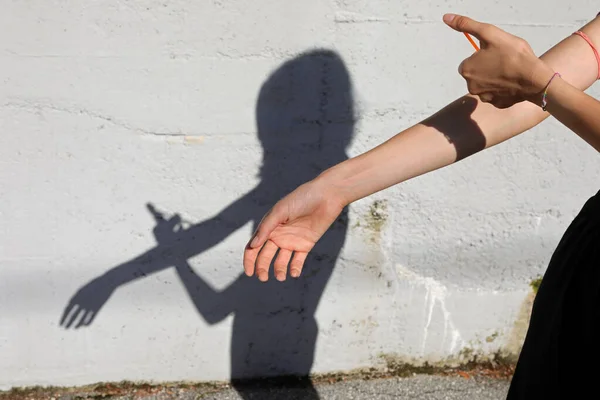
(212, 305)
(210, 232)
(85, 304)
(174, 248)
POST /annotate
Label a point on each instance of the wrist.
(540, 78)
(335, 182)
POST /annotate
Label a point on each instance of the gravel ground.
(419, 387)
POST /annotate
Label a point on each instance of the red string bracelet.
(587, 39)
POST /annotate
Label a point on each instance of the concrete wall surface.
(118, 116)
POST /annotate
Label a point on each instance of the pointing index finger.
(466, 25)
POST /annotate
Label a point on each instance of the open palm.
(290, 230)
(86, 303)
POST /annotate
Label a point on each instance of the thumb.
(270, 221)
(464, 24)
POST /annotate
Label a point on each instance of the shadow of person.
(305, 121)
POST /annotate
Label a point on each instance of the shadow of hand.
(86, 303)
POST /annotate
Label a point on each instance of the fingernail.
(263, 277)
(254, 242)
(281, 277)
(295, 273)
(448, 18)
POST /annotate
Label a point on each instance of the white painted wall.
(107, 106)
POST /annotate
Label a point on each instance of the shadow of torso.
(274, 329)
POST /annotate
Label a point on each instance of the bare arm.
(576, 110)
(463, 128)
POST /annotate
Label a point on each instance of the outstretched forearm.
(576, 110)
(459, 130)
(154, 260)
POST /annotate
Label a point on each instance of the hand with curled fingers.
(505, 71)
(291, 229)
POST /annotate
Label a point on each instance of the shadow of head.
(305, 116)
